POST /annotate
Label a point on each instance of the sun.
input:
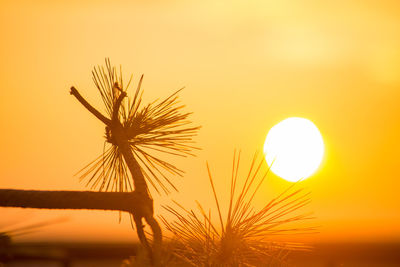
(294, 149)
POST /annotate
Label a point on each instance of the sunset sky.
(245, 66)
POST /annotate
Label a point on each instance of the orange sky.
(246, 66)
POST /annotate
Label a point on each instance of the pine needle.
(246, 237)
(153, 130)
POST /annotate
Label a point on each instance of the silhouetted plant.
(243, 238)
(132, 132)
(157, 127)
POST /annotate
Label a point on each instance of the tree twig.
(89, 107)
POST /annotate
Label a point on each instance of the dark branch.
(89, 107)
(122, 201)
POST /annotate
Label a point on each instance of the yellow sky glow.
(246, 66)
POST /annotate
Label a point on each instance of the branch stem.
(39, 199)
(89, 107)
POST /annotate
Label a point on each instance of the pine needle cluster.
(160, 127)
(244, 237)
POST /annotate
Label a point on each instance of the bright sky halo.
(294, 149)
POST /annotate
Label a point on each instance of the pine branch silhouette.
(133, 132)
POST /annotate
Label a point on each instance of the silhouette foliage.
(152, 130)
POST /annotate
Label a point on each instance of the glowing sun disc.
(294, 149)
